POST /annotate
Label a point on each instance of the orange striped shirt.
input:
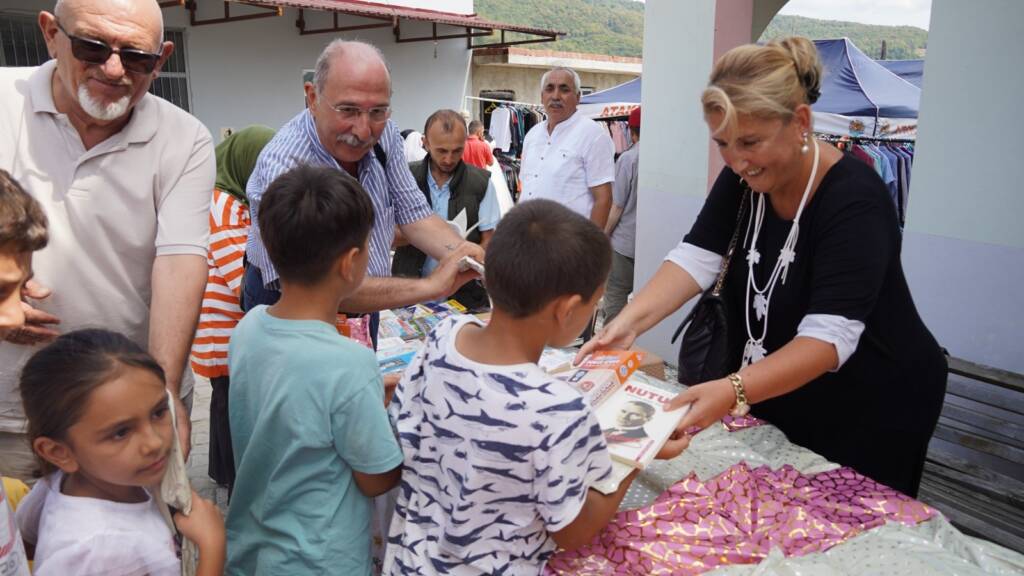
(229, 230)
(221, 311)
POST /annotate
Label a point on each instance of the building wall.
(250, 72)
(674, 164)
(526, 82)
(236, 81)
(963, 247)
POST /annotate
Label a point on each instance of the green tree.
(616, 27)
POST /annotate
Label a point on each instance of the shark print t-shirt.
(495, 458)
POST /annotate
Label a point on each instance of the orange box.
(622, 362)
(601, 373)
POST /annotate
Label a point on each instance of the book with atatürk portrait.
(634, 423)
(630, 412)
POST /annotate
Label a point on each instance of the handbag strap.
(732, 243)
(720, 282)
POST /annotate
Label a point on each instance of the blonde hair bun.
(808, 66)
(768, 81)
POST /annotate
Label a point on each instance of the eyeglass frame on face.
(148, 60)
(351, 113)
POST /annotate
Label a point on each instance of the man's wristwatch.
(741, 408)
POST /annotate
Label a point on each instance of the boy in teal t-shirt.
(310, 433)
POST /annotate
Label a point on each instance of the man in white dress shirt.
(570, 158)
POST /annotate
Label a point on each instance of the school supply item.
(394, 354)
(415, 322)
(630, 412)
(469, 263)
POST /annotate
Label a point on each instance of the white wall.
(674, 163)
(964, 242)
(250, 72)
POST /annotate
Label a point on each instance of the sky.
(884, 12)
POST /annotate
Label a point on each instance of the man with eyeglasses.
(124, 178)
(347, 125)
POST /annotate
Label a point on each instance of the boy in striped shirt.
(499, 456)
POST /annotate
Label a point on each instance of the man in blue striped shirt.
(347, 125)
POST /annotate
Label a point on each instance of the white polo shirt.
(564, 165)
(142, 193)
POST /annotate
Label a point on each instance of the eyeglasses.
(377, 115)
(97, 52)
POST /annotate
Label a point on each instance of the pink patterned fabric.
(736, 518)
(735, 423)
(731, 423)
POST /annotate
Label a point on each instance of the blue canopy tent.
(613, 102)
(859, 96)
(910, 70)
(855, 85)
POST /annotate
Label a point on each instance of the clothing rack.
(618, 129)
(509, 102)
(857, 139)
(891, 158)
(514, 120)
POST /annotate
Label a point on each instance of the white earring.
(805, 148)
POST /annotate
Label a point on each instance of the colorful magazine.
(630, 412)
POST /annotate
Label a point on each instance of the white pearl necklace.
(755, 351)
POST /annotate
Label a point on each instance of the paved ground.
(199, 459)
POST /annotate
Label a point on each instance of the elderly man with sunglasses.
(125, 180)
(347, 125)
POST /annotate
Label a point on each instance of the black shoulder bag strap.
(716, 290)
(382, 156)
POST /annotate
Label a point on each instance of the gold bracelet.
(742, 407)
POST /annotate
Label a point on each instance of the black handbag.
(704, 350)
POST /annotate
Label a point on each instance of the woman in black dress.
(831, 349)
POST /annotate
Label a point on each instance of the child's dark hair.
(542, 250)
(310, 216)
(57, 381)
(22, 220)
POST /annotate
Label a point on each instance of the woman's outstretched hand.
(614, 336)
(709, 402)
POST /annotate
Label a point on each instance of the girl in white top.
(98, 419)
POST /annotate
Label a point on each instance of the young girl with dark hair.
(99, 421)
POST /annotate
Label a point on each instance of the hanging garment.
(618, 137)
(501, 128)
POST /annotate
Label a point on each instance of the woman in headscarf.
(229, 230)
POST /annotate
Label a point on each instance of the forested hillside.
(902, 42)
(616, 27)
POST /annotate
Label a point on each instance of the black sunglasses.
(97, 52)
